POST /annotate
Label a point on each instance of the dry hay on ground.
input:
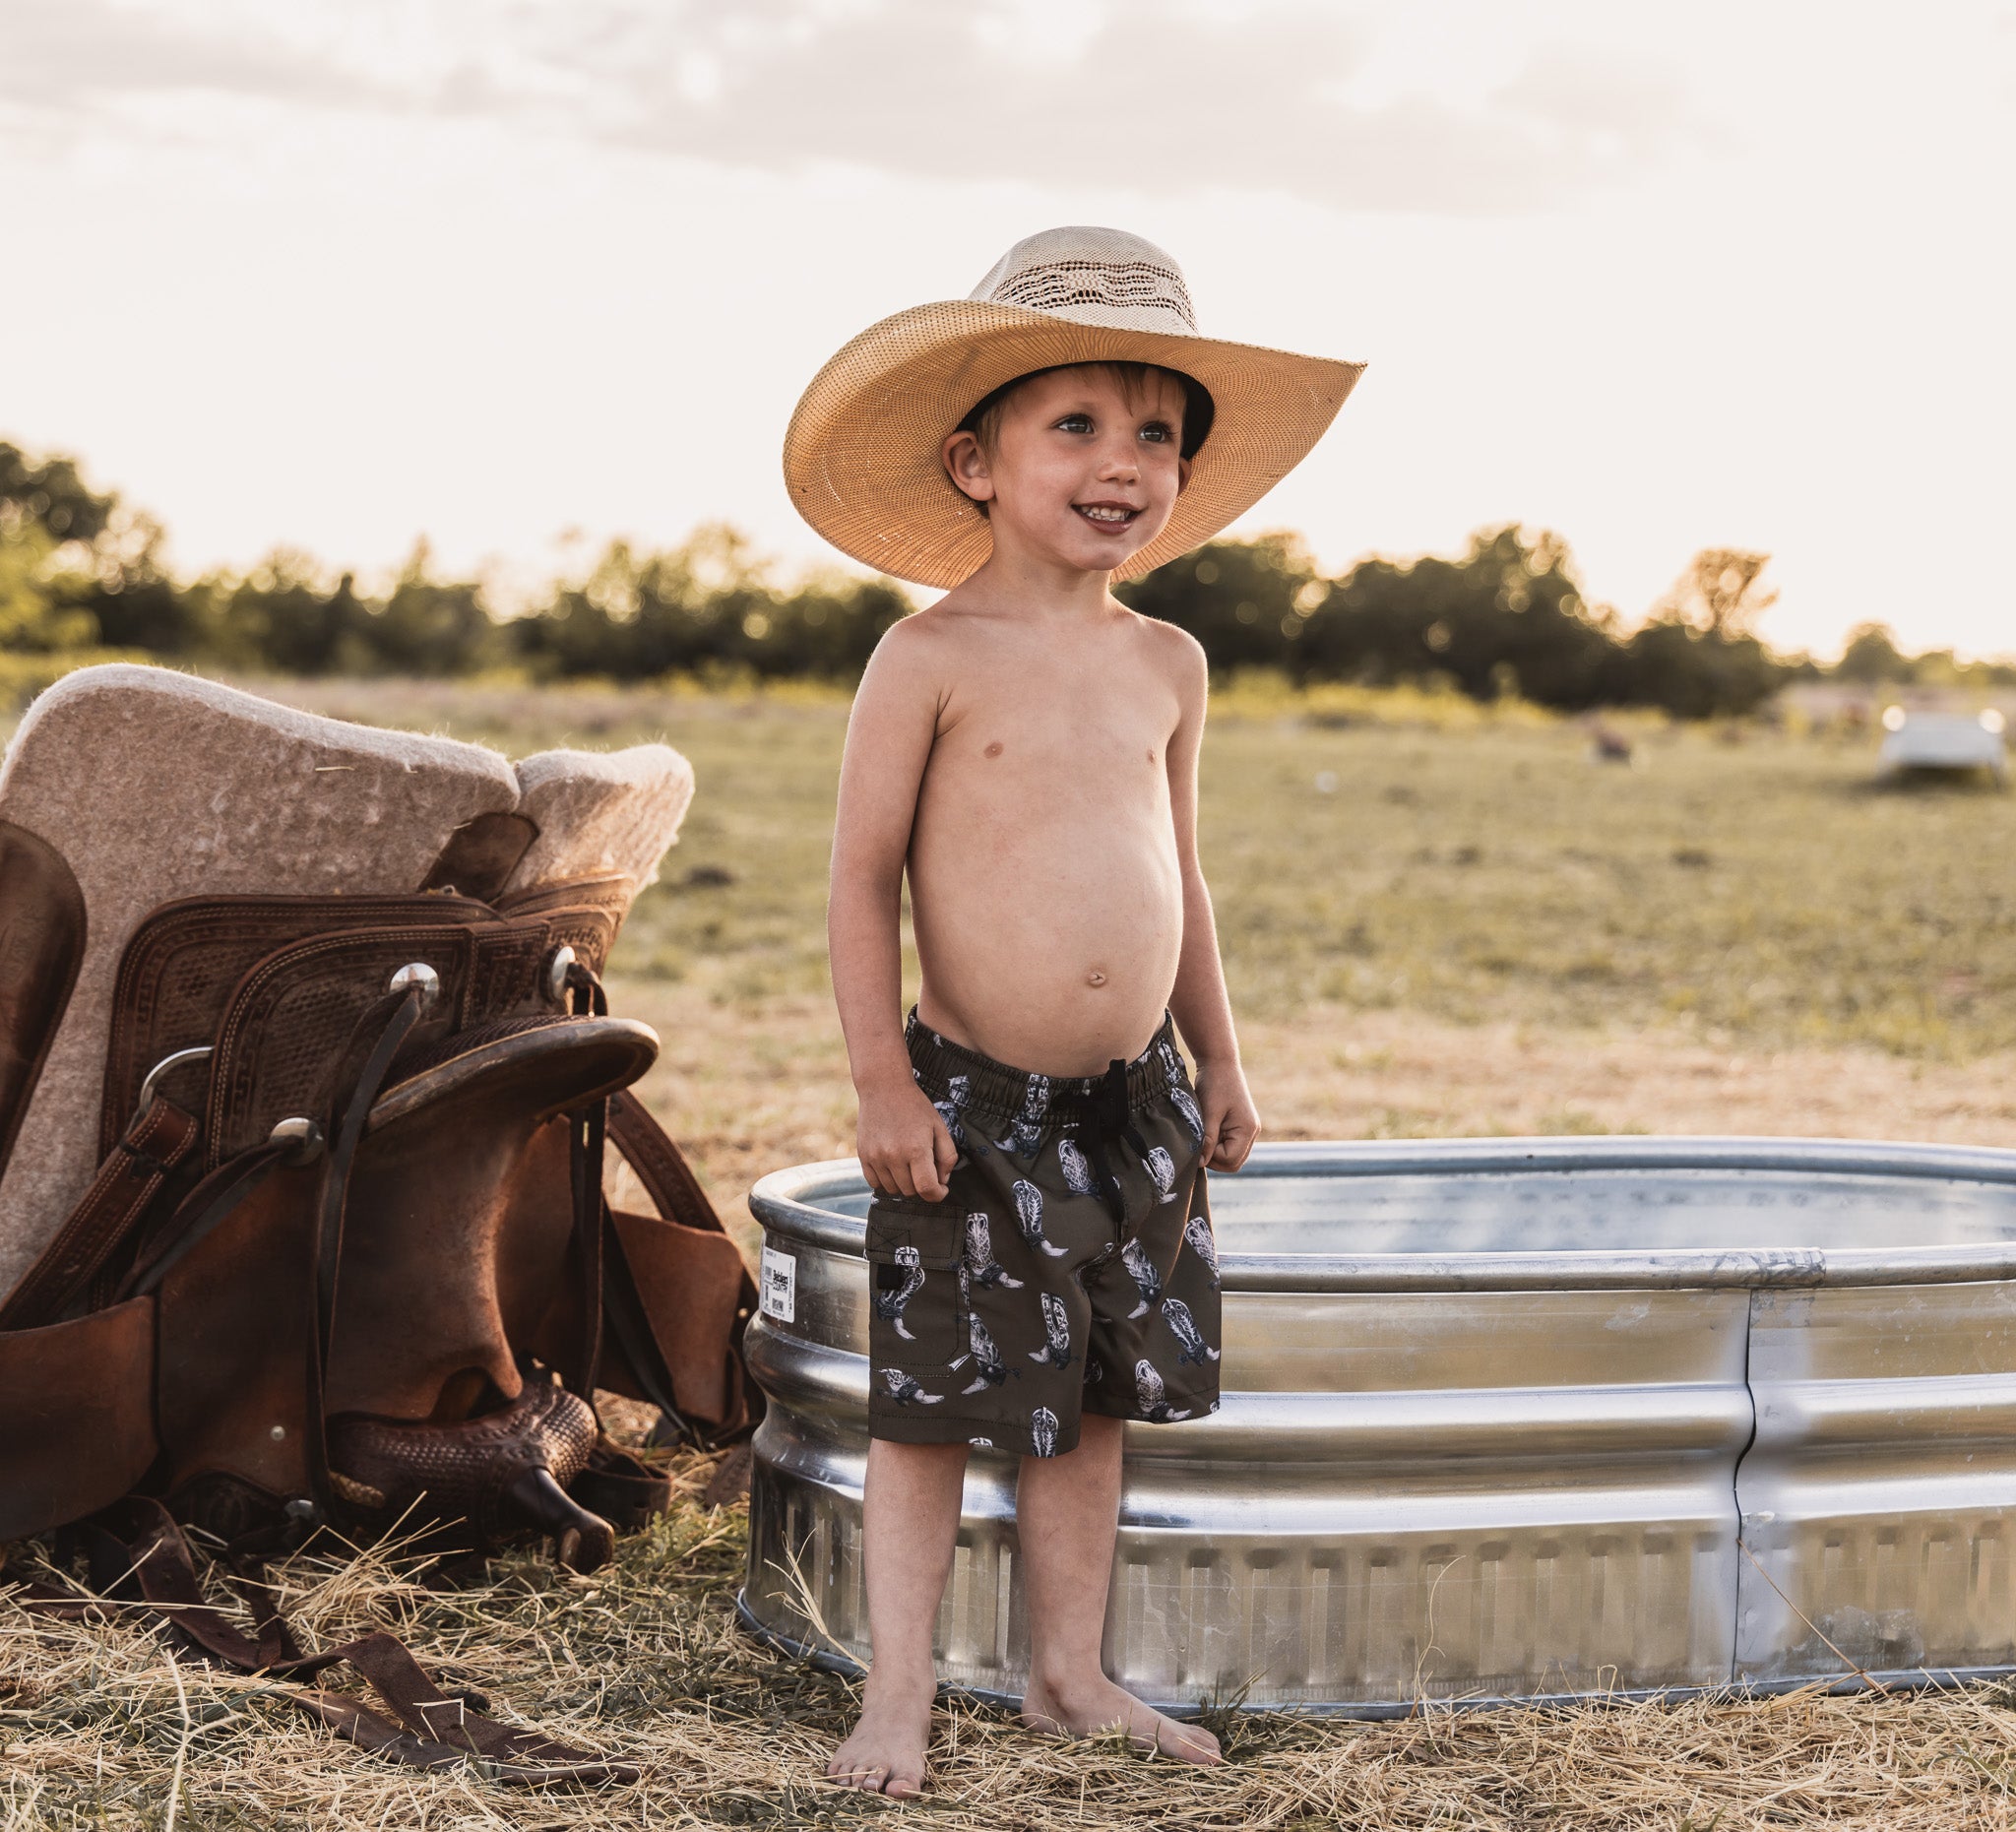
(643, 1661)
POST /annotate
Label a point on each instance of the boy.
(1041, 1246)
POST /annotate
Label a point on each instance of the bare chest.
(1069, 736)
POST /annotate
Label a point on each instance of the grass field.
(1471, 929)
(1372, 855)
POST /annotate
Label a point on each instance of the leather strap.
(128, 1180)
(387, 1023)
(587, 1134)
(675, 1192)
(586, 1131)
(661, 1165)
(631, 1327)
(202, 1209)
(148, 1562)
(624, 1490)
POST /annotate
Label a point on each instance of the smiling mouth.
(1106, 514)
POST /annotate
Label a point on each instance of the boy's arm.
(903, 1146)
(1203, 1012)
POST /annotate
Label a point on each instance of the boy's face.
(1080, 474)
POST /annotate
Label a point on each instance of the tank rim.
(785, 1203)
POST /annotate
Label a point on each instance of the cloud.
(1145, 96)
(85, 57)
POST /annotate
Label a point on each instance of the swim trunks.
(1071, 1269)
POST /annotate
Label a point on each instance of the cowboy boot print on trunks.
(1043, 1431)
(949, 1111)
(1027, 1132)
(1094, 1371)
(1029, 1211)
(1197, 1238)
(889, 1304)
(1057, 1353)
(905, 1391)
(979, 1255)
(989, 1371)
(1078, 1177)
(1151, 1397)
(1180, 1095)
(1183, 1327)
(1135, 1258)
(1161, 1167)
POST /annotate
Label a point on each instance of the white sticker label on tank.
(779, 1286)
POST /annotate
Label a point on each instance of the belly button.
(1094, 977)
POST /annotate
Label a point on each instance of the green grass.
(1761, 891)
(1474, 868)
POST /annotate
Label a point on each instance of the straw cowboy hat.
(861, 456)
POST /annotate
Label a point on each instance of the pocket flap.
(935, 1230)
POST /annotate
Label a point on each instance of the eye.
(1075, 422)
(1159, 432)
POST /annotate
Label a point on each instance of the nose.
(1119, 462)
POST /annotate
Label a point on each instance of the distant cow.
(1608, 745)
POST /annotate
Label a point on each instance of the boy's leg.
(1067, 1513)
(910, 1525)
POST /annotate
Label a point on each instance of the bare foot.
(886, 1752)
(1084, 1708)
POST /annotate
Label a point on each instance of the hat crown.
(1093, 277)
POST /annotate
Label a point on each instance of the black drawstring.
(1112, 1117)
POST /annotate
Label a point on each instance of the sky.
(518, 276)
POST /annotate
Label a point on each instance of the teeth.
(1105, 515)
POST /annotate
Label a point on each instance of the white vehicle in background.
(1943, 741)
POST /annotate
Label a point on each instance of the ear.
(1183, 476)
(966, 464)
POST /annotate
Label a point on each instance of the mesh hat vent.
(862, 455)
(1064, 286)
(1097, 277)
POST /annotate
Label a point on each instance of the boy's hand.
(904, 1147)
(1231, 1123)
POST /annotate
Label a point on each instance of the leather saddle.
(346, 1257)
(304, 1186)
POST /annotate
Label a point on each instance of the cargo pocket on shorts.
(916, 1310)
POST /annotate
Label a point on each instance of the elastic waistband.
(984, 1089)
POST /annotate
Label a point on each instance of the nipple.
(1094, 977)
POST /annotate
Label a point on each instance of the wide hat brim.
(862, 455)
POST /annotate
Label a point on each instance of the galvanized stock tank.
(1523, 1418)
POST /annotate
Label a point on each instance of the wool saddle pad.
(155, 786)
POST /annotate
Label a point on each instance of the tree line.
(1508, 617)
